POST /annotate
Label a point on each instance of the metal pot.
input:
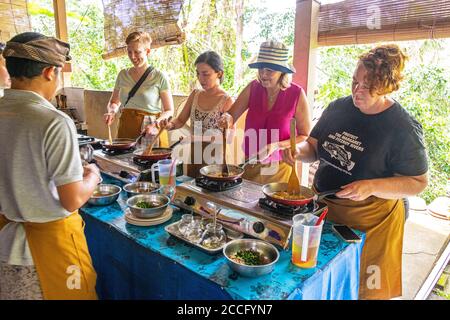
(307, 194)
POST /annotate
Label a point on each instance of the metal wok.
(307, 194)
(157, 153)
(215, 171)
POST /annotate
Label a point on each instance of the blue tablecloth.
(147, 263)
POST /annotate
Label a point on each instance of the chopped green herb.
(143, 205)
(249, 257)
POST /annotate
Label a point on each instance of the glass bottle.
(186, 220)
(214, 236)
(194, 231)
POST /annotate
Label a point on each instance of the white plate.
(131, 219)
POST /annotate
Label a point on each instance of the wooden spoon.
(293, 183)
(225, 170)
(110, 136)
(148, 151)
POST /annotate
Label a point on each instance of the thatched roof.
(158, 17)
(368, 21)
(14, 18)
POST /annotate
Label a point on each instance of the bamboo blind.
(14, 18)
(368, 21)
(158, 17)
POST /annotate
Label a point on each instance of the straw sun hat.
(273, 55)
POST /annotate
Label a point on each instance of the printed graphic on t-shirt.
(341, 147)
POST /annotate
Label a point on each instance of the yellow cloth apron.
(381, 258)
(192, 168)
(130, 124)
(61, 258)
(253, 173)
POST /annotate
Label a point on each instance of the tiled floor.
(425, 239)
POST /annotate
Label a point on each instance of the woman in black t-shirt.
(372, 149)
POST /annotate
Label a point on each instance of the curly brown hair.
(384, 65)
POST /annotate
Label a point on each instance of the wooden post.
(59, 8)
(305, 46)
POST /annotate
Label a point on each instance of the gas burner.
(144, 163)
(111, 152)
(286, 210)
(216, 186)
(85, 139)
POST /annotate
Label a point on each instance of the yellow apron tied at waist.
(130, 124)
(61, 257)
(381, 259)
(255, 172)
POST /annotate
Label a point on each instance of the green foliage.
(210, 25)
(425, 93)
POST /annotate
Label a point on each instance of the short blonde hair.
(139, 36)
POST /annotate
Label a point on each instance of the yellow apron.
(381, 258)
(192, 168)
(61, 258)
(253, 173)
(130, 124)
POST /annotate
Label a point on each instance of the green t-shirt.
(147, 98)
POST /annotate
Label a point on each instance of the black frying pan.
(307, 194)
(157, 153)
(215, 171)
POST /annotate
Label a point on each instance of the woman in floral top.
(204, 108)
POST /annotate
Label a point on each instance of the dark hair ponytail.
(212, 59)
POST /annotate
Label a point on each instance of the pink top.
(269, 125)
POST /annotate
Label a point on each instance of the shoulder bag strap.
(138, 84)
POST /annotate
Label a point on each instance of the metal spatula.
(293, 183)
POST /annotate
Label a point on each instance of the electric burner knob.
(258, 227)
(190, 201)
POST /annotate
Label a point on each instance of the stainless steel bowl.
(141, 187)
(158, 201)
(269, 252)
(104, 194)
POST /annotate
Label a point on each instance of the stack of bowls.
(158, 204)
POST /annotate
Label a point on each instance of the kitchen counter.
(147, 263)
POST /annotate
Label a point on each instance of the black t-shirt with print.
(355, 146)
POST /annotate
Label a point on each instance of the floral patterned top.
(201, 120)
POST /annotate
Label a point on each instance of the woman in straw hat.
(140, 101)
(272, 100)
